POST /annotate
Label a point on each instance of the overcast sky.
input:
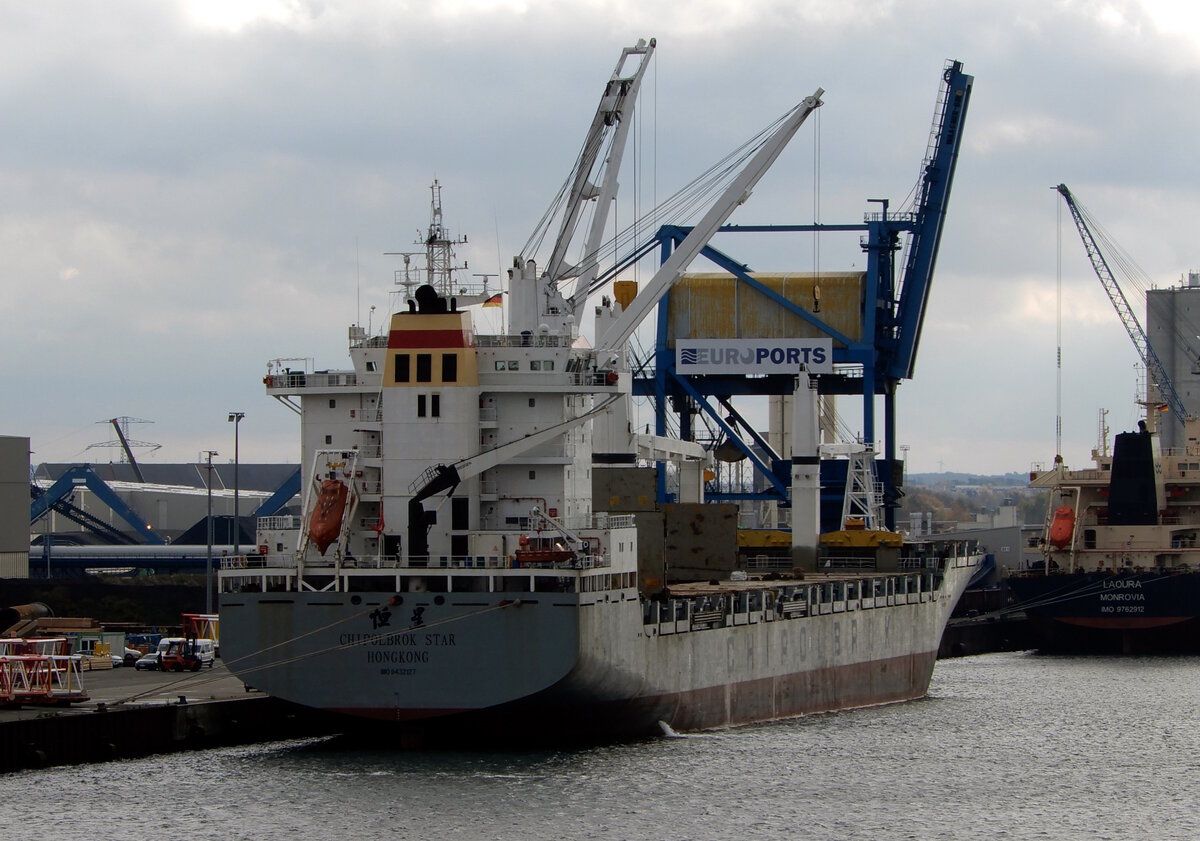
(190, 189)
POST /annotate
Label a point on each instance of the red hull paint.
(1054, 636)
(1122, 623)
(567, 711)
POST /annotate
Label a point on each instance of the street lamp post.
(208, 521)
(236, 418)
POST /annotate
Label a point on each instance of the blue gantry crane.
(57, 497)
(871, 363)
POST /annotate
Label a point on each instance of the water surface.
(1012, 746)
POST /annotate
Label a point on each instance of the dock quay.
(130, 713)
(985, 633)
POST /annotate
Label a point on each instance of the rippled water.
(1010, 746)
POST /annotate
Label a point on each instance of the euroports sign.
(753, 356)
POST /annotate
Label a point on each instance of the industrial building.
(14, 537)
(1173, 328)
(145, 515)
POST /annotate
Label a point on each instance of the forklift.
(181, 655)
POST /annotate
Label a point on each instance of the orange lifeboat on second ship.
(1062, 528)
(325, 524)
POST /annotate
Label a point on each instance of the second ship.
(1120, 572)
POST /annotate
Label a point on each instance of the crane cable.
(692, 200)
(816, 195)
(1058, 346)
(1126, 271)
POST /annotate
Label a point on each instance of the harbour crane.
(874, 356)
(1154, 367)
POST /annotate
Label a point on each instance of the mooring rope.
(195, 680)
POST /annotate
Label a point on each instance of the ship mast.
(441, 262)
(439, 248)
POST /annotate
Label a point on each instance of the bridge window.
(435, 405)
(449, 367)
(402, 362)
(420, 405)
(424, 367)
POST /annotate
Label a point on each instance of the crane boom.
(1154, 367)
(937, 176)
(137, 471)
(446, 477)
(613, 119)
(735, 194)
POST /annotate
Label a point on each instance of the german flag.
(494, 301)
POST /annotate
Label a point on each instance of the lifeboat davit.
(1062, 528)
(325, 524)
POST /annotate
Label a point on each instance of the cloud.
(193, 188)
(1022, 133)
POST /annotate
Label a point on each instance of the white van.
(204, 650)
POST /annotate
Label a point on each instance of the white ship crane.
(446, 477)
(593, 179)
(618, 332)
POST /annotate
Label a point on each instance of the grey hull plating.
(578, 666)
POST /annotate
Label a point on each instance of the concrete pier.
(133, 713)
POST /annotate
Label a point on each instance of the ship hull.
(1112, 613)
(566, 666)
(565, 715)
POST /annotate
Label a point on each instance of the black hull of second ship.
(1111, 613)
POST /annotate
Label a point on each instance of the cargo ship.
(481, 552)
(1120, 568)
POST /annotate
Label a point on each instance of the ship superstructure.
(1120, 549)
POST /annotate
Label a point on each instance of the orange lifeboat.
(1062, 528)
(326, 521)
